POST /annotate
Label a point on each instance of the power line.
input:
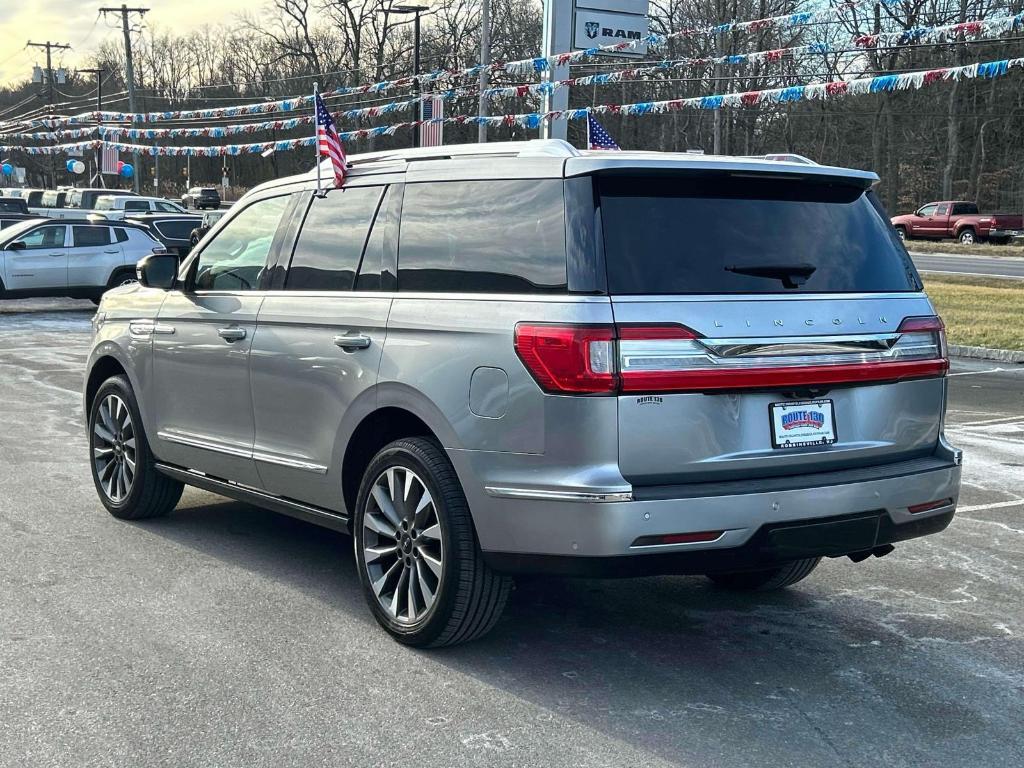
(124, 10)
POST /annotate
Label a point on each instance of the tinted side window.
(136, 205)
(942, 210)
(331, 241)
(121, 235)
(381, 244)
(235, 258)
(483, 237)
(964, 209)
(86, 237)
(176, 229)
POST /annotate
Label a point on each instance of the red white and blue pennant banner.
(826, 90)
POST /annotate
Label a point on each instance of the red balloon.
(120, 165)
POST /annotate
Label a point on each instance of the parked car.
(10, 219)
(201, 197)
(13, 205)
(85, 198)
(171, 229)
(209, 219)
(78, 258)
(119, 206)
(459, 362)
(958, 219)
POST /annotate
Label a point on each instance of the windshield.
(729, 234)
(13, 232)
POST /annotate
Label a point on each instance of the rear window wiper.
(791, 275)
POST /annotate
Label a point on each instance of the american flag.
(432, 134)
(108, 159)
(598, 137)
(328, 142)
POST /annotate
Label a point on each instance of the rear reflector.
(929, 505)
(606, 359)
(678, 538)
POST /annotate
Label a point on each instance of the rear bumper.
(772, 544)
(998, 232)
(762, 521)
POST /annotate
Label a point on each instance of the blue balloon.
(70, 164)
(7, 168)
(127, 170)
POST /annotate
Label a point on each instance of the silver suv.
(508, 358)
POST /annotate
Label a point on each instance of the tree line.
(958, 140)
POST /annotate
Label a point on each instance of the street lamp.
(417, 10)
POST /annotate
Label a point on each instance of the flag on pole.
(432, 133)
(598, 137)
(108, 158)
(328, 142)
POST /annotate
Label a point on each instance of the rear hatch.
(766, 324)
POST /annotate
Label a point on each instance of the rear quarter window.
(483, 237)
(724, 234)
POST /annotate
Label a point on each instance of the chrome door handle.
(352, 342)
(231, 334)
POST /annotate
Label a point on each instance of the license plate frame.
(808, 434)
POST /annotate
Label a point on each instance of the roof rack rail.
(531, 148)
(783, 157)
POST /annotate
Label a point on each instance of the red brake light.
(576, 359)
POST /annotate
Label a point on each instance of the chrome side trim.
(337, 521)
(142, 329)
(206, 444)
(198, 441)
(545, 495)
(270, 458)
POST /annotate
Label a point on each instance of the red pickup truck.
(960, 220)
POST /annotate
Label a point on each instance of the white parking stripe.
(993, 505)
(975, 373)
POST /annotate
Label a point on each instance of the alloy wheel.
(114, 448)
(402, 548)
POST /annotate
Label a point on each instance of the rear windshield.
(730, 234)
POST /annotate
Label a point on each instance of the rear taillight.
(605, 359)
(578, 359)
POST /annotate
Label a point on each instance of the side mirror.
(158, 270)
(17, 245)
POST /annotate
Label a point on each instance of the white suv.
(118, 206)
(76, 258)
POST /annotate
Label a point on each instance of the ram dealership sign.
(607, 22)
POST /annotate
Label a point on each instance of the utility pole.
(97, 178)
(124, 10)
(49, 89)
(485, 59)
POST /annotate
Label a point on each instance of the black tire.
(901, 233)
(767, 580)
(469, 596)
(151, 494)
(968, 236)
(122, 276)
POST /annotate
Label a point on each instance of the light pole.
(417, 10)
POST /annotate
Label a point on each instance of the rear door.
(318, 341)
(42, 263)
(767, 326)
(92, 257)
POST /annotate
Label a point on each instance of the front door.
(42, 263)
(318, 345)
(201, 343)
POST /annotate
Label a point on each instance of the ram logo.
(592, 28)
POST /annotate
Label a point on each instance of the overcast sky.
(75, 22)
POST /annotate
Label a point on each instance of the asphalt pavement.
(999, 266)
(224, 635)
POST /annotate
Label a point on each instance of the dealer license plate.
(796, 424)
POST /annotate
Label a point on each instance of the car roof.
(553, 158)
